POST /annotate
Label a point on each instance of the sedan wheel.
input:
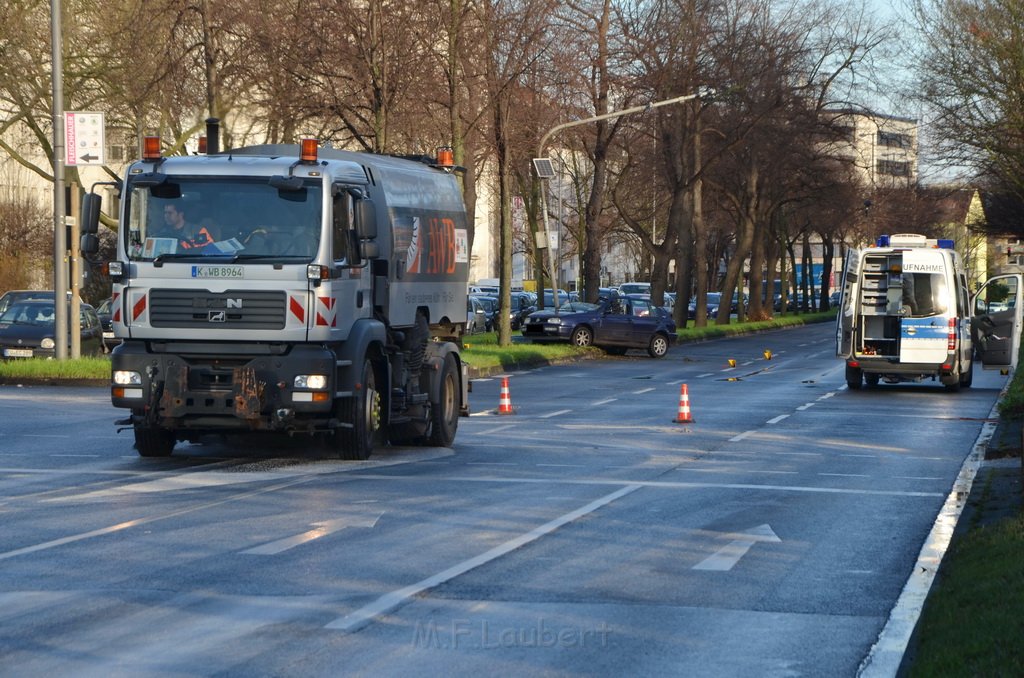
(582, 336)
(658, 346)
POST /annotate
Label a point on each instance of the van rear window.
(925, 294)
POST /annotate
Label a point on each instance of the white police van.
(907, 315)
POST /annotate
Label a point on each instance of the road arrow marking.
(323, 529)
(726, 557)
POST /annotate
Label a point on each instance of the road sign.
(84, 138)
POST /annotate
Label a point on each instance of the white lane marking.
(321, 529)
(390, 601)
(70, 539)
(189, 481)
(643, 390)
(563, 465)
(496, 429)
(827, 395)
(554, 414)
(844, 475)
(603, 402)
(804, 407)
(736, 439)
(706, 374)
(725, 558)
(776, 420)
(860, 456)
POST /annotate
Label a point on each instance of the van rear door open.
(997, 321)
(926, 306)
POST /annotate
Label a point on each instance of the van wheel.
(854, 377)
(967, 377)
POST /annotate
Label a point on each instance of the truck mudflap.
(249, 392)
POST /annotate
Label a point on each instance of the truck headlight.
(47, 343)
(127, 378)
(310, 381)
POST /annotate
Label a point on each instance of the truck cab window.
(341, 236)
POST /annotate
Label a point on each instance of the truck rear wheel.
(153, 442)
(444, 414)
(363, 410)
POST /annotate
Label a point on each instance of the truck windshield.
(203, 216)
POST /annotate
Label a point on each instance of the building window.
(896, 168)
(116, 153)
(893, 139)
(1015, 251)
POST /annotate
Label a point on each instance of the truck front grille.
(234, 309)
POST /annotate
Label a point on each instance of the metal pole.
(60, 269)
(547, 242)
(701, 93)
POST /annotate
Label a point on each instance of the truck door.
(927, 303)
(997, 321)
(848, 306)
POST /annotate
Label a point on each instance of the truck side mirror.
(90, 242)
(366, 219)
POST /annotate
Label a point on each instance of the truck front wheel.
(153, 442)
(363, 411)
(444, 414)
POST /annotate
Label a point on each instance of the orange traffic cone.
(684, 416)
(505, 402)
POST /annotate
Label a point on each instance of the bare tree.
(971, 71)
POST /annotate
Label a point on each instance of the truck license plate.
(230, 272)
(17, 353)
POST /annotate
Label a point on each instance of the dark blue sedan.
(614, 325)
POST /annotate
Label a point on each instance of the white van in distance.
(906, 315)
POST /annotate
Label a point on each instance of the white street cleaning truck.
(907, 315)
(288, 288)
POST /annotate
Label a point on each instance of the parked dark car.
(28, 328)
(11, 296)
(106, 314)
(476, 317)
(490, 305)
(614, 326)
(523, 304)
(714, 300)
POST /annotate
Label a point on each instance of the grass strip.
(973, 623)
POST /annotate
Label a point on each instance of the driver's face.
(172, 216)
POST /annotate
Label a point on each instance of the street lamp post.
(541, 163)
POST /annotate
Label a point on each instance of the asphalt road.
(588, 533)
